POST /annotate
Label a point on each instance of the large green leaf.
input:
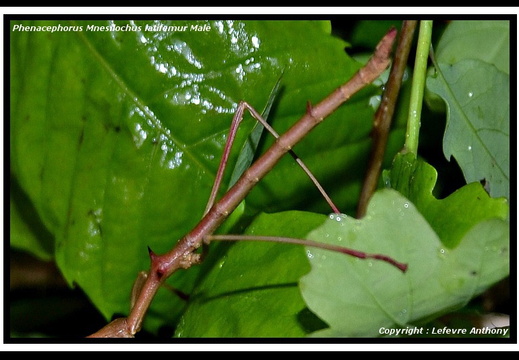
(486, 40)
(116, 135)
(416, 179)
(358, 297)
(25, 231)
(477, 95)
(472, 78)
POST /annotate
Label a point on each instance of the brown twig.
(183, 255)
(384, 115)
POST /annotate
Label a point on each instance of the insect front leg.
(237, 119)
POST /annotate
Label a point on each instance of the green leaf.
(116, 135)
(416, 179)
(252, 291)
(488, 41)
(478, 120)
(25, 230)
(358, 298)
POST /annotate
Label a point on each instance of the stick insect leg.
(236, 120)
(300, 162)
(238, 117)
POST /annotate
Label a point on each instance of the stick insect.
(184, 254)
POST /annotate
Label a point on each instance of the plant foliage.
(115, 138)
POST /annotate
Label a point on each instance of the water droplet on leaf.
(402, 313)
(337, 217)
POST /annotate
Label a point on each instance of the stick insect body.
(184, 254)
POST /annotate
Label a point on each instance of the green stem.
(418, 86)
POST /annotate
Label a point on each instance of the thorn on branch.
(154, 259)
(310, 112)
(309, 108)
(151, 253)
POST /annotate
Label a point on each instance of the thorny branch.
(183, 255)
